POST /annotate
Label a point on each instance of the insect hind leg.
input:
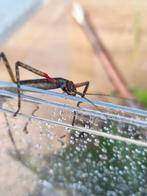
(8, 67)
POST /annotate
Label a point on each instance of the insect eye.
(71, 86)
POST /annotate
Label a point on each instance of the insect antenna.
(112, 96)
(134, 101)
(130, 101)
(81, 94)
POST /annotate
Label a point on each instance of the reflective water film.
(54, 148)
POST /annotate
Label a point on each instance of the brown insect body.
(46, 83)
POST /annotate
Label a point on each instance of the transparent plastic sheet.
(103, 152)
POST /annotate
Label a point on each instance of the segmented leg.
(40, 73)
(7, 65)
(33, 70)
(12, 77)
(86, 84)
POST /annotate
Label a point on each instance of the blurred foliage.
(141, 95)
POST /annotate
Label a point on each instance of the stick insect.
(45, 83)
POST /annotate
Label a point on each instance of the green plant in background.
(141, 95)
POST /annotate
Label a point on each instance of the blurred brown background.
(51, 41)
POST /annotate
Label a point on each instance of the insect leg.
(29, 68)
(11, 74)
(86, 84)
(7, 65)
(33, 70)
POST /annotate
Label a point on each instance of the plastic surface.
(103, 152)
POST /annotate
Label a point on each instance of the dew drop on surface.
(106, 128)
(37, 146)
(111, 193)
(77, 148)
(88, 164)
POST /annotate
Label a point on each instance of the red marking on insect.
(49, 78)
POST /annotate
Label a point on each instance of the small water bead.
(111, 168)
(77, 133)
(89, 140)
(138, 151)
(130, 129)
(89, 155)
(144, 150)
(142, 190)
(140, 137)
(85, 142)
(106, 129)
(84, 175)
(127, 157)
(60, 112)
(143, 167)
(104, 150)
(37, 146)
(111, 141)
(48, 125)
(72, 142)
(139, 162)
(87, 126)
(88, 160)
(111, 193)
(98, 189)
(121, 173)
(103, 157)
(68, 157)
(105, 179)
(78, 148)
(72, 137)
(59, 120)
(114, 178)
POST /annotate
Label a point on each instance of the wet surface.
(53, 158)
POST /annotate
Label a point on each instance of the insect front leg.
(86, 84)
